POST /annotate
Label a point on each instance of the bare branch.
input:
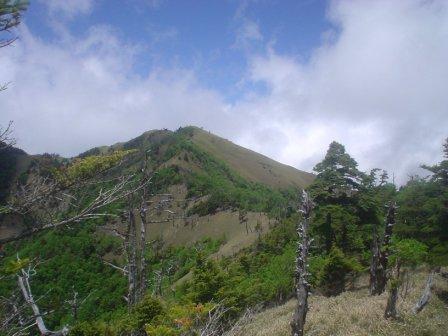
(6, 138)
(36, 198)
(24, 284)
(121, 269)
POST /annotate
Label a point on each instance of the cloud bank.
(377, 83)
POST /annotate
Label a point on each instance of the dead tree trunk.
(75, 303)
(143, 222)
(424, 299)
(244, 220)
(301, 271)
(380, 254)
(375, 264)
(131, 251)
(158, 278)
(24, 285)
(142, 280)
(391, 307)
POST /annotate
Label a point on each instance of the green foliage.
(261, 274)
(10, 15)
(165, 177)
(8, 162)
(12, 267)
(69, 260)
(89, 166)
(410, 252)
(339, 225)
(180, 319)
(423, 214)
(208, 278)
(145, 312)
(180, 259)
(423, 211)
(153, 316)
(334, 270)
(440, 171)
(85, 328)
(347, 203)
(337, 176)
(223, 187)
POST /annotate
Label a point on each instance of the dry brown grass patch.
(357, 313)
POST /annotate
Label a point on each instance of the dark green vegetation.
(225, 188)
(349, 204)
(9, 158)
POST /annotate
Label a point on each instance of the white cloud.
(68, 8)
(69, 97)
(378, 86)
(247, 32)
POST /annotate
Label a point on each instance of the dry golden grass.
(186, 231)
(357, 313)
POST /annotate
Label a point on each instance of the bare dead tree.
(380, 253)
(237, 328)
(13, 317)
(390, 222)
(51, 203)
(391, 306)
(159, 275)
(134, 239)
(158, 278)
(242, 217)
(75, 303)
(259, 229)
(375, 267)
(131, 254)
(6, 137)
(23, 279)
(214, 325)
(301, 270)
(426, 295)
(143, 209)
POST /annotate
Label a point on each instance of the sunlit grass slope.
(355, 313)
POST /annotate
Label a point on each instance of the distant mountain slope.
(222, 178)
(249, 164)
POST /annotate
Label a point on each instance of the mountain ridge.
(251, 165)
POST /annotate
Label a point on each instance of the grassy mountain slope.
(249, 164)
(355, 313)
(221, 177)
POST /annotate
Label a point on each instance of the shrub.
(336, 267)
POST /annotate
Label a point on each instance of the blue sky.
(284, 78)
(207, 36)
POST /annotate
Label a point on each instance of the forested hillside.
(166, 235)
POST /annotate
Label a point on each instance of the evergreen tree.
(338, 177)
(10, 15)
(423, 210)
(440, 171)
(344, 202)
